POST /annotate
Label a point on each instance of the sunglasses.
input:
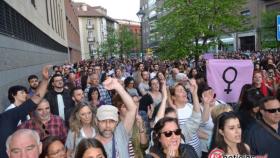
(169, 133)
(272, 110)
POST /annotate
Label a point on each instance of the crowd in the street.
(124, 108)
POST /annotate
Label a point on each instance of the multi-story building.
(32, 34)
(73, 34)
(93, 25)
(248, 40)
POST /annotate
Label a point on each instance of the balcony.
(90, 26)
(91, 39)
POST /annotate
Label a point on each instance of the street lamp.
(141, 15)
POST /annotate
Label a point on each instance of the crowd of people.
(124, 108)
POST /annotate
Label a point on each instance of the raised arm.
(128, 121)
(42, 89)
(193, 89)
(161, 111)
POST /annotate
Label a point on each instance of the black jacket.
(69, 104)
(9, 120)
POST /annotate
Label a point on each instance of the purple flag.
(208, 56)
(227, 77)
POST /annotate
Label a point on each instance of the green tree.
(110, 45)
(126, 41)
(268, 30)
(190, 27)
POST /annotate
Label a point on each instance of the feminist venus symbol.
(229, 82)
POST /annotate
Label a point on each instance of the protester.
(227, 136)
(59, 98)
(24, 143)
(45, 123)
(33, 83)
(94, 98)
(264, 136)
(77, 95)
(53, 147)
(90, 148)
(144, 84)
(185, 109)
(9, 119)
(17, 95)
(112, 134)
(95, 82)
(167, 141)
(129, 85)
(81, 126)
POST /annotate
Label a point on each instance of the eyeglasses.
(272, 110)
(169, 133)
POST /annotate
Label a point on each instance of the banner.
(208, 56)
(227, 77)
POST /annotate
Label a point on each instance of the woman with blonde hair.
(81, 126)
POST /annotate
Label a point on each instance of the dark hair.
(266, 99)
(50, 87)
(91, 90)
(202, 88)
(75, 89)
(169, 110)
(86, 144)
(156, 135)
(251, 99)
(13, 91)
(30, 77)
(46, 144)
(218, 140)
(150, 81)
(127, 81)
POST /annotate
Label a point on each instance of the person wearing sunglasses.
(264, 135)
(167, 141)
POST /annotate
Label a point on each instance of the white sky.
(117, 9)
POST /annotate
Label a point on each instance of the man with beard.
(60, 100)
(33, 83)
(113, 135)
(45, 123)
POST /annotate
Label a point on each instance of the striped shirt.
(183, 114)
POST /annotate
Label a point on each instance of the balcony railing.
(90, 26)
(91, 39)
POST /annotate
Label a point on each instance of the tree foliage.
(120, 42)
(127, 41)
(110, 45)
(189, 27)
(268, 30)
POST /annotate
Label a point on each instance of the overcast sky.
(117, 9)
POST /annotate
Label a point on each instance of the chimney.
(84, 7)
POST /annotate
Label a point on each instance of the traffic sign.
(278, 27)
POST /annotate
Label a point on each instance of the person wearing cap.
(111, 132)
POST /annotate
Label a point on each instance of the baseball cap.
(107, 112)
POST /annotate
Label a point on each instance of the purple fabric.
(208, 56)
(219, 72)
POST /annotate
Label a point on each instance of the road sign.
(278, 27)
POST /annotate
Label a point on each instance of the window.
(89, 21)
(246, 13)
(90, 34)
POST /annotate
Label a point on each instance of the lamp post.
(141, 15)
